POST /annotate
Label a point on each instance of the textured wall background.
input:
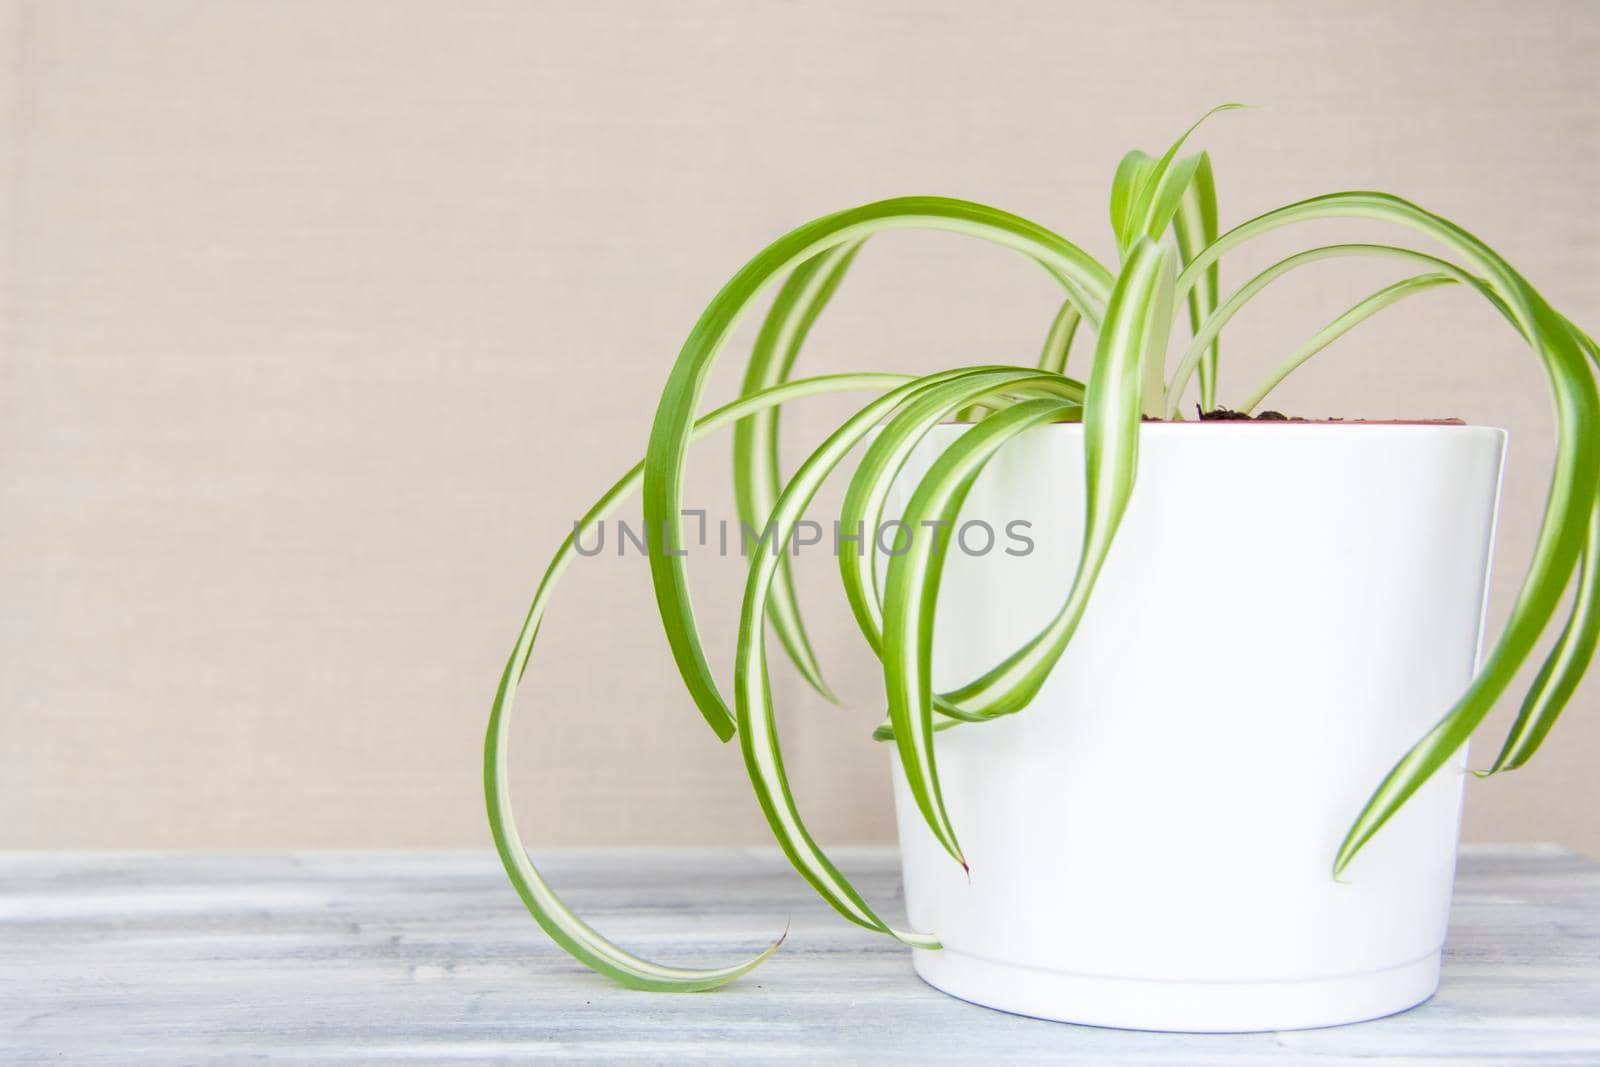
(324, 320)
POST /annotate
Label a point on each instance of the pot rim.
(1222, 425)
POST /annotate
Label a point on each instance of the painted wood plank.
(428, 957)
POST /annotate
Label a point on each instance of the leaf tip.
(1347, 852)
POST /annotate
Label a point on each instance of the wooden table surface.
(314, 957)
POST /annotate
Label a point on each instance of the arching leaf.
(1137, 323)
(1083, 280)
(756, 476)
(563, 925)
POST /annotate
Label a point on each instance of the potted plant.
(1114, 807)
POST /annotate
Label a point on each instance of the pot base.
(1179, 1006)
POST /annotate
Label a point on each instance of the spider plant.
(1133, 374)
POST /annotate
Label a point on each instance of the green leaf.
(862, 509)
(1148, 196)
(1084, 281)
(1109, 470)
(1195, 226)
(564, 926)
(1058, 342)
(756, 474)
(1127, 188)
(1146, 193)
(913, 590)
(1214, 322)
(1567, 509)
(1166, 197)
(1561, 672)
(1137, 323)
(1053, 357)
(1564, 668)
(753, 698)
(884, 731)
(757, 727)
(1131, 315)
(1349, 320)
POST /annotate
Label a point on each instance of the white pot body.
(1286, 609)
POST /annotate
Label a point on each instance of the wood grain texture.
(428, 957)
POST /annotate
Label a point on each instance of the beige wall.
(324, 320)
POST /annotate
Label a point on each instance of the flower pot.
(1285, 610)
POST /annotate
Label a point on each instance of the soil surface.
(1229, 415)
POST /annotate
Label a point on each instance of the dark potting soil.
(1229, 415)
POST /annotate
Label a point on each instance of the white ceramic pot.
(1287, 607)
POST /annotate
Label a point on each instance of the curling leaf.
(1214, 322)
(1084, 281)
(1561, 672)
(756, 477)
(1361, 312)
(861, 513)
(1131, 315)
(563, 925)
(913, 591)
(1137, 323)
(757, 727)
(1572, 490)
